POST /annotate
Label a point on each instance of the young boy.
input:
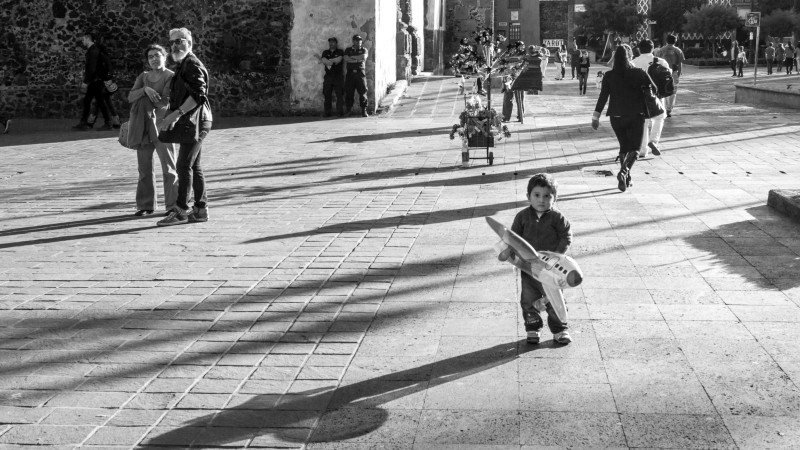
(547, 230)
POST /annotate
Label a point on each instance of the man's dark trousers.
(333, 84)
(95, 90)
(356, 81)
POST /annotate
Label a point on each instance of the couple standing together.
(170, 108)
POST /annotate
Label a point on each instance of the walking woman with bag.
(149, 99)
(626, 89)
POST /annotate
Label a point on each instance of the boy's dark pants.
(532, 290)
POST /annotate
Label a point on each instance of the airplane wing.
(556, 298)
(522, 248)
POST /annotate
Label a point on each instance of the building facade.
(542, 22)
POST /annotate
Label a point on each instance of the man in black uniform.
(356, 80)
(334, 78)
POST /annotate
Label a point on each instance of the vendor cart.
(477, 125)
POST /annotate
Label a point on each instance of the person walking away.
(531, 77)
(675, 59)
(149, 99)
(654, 125)
(355, 58)
(795, 57)
(94, 73)
(546, 229)
(561, 61)
(733, 54)
(574, 57)
(789, 59)
(545, 55)
(333, 80)
(622, 89)
(583, 71)
(188, 95)
(741, 61)
(769, 55)
(780, 56)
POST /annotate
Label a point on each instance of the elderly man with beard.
(188, 96)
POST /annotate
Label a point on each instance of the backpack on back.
(662, 77)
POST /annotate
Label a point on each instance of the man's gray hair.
(177, 33)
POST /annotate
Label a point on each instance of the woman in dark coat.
(624, 85)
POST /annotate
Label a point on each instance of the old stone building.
(262, 54)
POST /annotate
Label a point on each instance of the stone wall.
(463, 17)
(244, 43)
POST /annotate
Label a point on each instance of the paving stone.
(457, 427)
(571, 429)
(659, 430)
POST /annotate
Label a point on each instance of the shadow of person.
(340, 413)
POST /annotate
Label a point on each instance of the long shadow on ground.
(345, 412)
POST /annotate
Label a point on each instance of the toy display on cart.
(479, 126)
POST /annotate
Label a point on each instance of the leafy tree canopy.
(780, 23)
(712, 21)
(609, 16)
(768, 6)
(670, 14)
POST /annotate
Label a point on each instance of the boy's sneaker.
(533, 337)
(198, 214)
(175, 217)
(562, 338)
(654, 148)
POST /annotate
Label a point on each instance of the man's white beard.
(179, 55)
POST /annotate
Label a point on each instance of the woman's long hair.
(622, 59)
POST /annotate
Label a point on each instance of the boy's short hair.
(672, 39)
(646, 46)
(543, 180)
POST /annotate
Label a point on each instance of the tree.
(780, 23)
(670, 15)
(712, 21)
(609, 16)
(768, 6)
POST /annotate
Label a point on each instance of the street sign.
(753, 20)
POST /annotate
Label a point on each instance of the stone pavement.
(345, 295)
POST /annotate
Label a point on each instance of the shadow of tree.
(401, 134)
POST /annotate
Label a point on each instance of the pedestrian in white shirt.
(654, 125)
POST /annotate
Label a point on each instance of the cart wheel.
(491, 158)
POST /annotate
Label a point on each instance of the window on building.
(513, 4)
(514, 32)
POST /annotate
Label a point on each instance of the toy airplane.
(554, 270)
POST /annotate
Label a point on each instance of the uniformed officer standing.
(355, 58)
(334, 77)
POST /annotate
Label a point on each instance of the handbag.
(652, 104)
(185, 131)
(123, 134)
(111, 86)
